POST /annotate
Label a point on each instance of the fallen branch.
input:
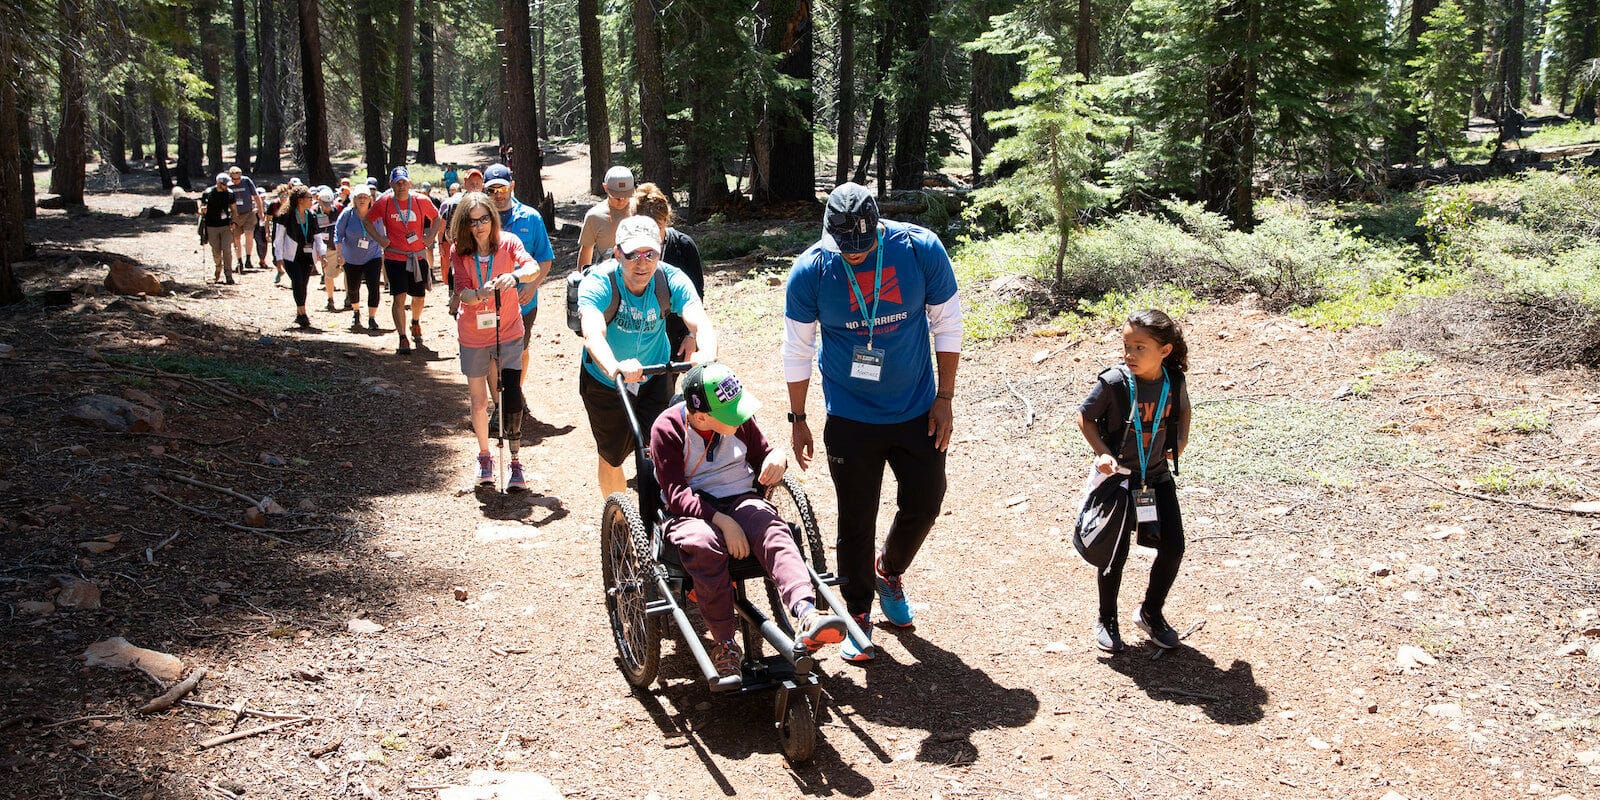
(216, 740)
(1187, 693)
(1510, 501)
(1027, 404)
(322, 750)
(80, 719)
(236, 526)
(180, 477)
(189, 379)
(249, 712)
(174, 694)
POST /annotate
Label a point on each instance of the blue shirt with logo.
(916, 273)
(640, 328)
(526, 224)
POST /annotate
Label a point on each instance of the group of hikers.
(873, 305)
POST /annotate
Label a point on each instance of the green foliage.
(1446, 216)
(1574, 132)
(1517, 420)
(1286, 442)
(1442, 75)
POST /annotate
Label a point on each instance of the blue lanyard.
(478, 269)
(1138, 420)
(871, 319)
(305, 227)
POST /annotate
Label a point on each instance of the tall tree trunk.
(878, 120)
(993, 76)
(520, 110)
(544, 74)
(653, 137)
(1409, 138)
(594, 94)
(426, 34)
(1511, 71)
(1587, 15)
(1227, 142)
(116, 119)
(708, 184)
(269, 158)
(625, 89)
(1084, 51)
(241, 88)
(130, 119)
(66, 179)
(158, 138)
(13, 232)
(790, 171)
(846, 131)
(211, 66)
(371, 105)
(400, 121)
(914, 116)
(318, 164)
(1534, 49)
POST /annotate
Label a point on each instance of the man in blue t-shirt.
(878, 291)
(636, 336)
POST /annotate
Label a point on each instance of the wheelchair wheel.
(794, 507)
(797, 731)
(627, 571)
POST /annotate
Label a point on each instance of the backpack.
(575, 278)
(1104, 521)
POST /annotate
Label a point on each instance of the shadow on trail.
(181, 581)
(1186, 676)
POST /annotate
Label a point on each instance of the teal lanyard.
(478, 268)
(871, 319)
(1138, 420)
(305, 227)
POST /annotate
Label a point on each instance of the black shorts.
(608, 420)
(400, 280)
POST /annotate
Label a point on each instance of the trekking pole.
(500, 401)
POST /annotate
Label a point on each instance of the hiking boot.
(416, 331)
(849, 650)
(229, 280)
(372, 324)
(892, 597)
(516, 483)
(1107, 637)
(302, 320)
(727, 658)
(404, 348)
(355, 321)
(330, 306)
(1160, 633)
(817, 629)
(485, 469)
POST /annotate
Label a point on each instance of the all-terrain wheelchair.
(645, 582)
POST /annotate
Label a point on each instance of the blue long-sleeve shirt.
(349, 235)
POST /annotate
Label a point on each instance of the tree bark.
(878, 123)
(269, 159)
(318, 164)
(846, 129)
(400, 121)
(1511, 71)
(130, 119)
(1409, 139)
(520, 111)
(371, 106)
(1587, 17)
(1227, 143)
(653, 136)
(1084, 51)
(625, 90)
(427, 37)
(158, 136)
(993, 76)
(241, 88)
(915, 112)
(544, 74)
(211, 66)
(67, 176)
(13, 232)
(1534, 47)
(116, 119)
(790, 160)
(594, 94)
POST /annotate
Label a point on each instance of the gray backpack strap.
(663, 293)
(616, 294)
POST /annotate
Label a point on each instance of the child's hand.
(773, 468)
(732, 534)
(1106, 464)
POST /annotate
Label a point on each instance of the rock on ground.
(114, 414)
(127, 278)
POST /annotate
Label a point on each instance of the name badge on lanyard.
(866, 363)
(364, 244)
(1144, 500)
(487, 320)
(1144, 503)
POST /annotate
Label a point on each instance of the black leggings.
(857, 453)
(299, 277)
(1169, 556)
(511, 403)
(357, 274)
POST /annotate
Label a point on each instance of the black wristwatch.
(793, 417)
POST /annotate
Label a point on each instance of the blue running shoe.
(892, 597)
(849, 650)
(485, 469)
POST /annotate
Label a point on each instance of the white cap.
(326, 195)
(638, 232)
(222, 177)
(619, 181)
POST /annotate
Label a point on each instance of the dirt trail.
(1307, 588)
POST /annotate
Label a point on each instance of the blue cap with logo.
(497, 175)
(399, 174)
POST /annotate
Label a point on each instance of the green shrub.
(1574, 132)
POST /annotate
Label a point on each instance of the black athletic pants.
(857, 453)
(1169, 555)
(299, 269)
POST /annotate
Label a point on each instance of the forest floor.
(1326, 539)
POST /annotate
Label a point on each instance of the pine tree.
(1442, 76)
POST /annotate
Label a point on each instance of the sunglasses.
(642, 255)
(498, 189)
(478, 222)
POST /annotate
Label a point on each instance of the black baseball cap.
(850, 221)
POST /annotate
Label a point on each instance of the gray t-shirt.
(1104, 407)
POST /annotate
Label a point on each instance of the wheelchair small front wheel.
(626, 570)
(797, 731)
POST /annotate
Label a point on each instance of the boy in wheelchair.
(708, 455)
